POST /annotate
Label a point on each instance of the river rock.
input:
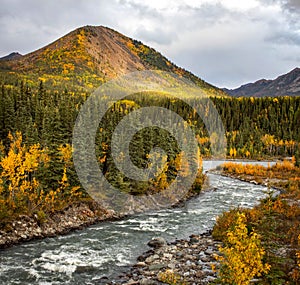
(151, 258)
(140, 264)
(157, 242)
(148, 282)
(84, 268)
(157, 266)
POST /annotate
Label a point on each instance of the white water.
(83, 257)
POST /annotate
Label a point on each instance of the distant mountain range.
(89, 56)
(284, 85)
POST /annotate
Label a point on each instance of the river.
(83, 257)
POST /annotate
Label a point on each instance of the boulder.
(157, 242)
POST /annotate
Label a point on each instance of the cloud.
(285, 38)
(292, 5)
(156, 35)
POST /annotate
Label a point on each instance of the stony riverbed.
(192, 259)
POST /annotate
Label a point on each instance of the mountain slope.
(284, 85)
(11, 56)
(89, 56)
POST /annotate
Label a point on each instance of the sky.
(225, 42)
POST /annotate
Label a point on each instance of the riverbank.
(188, 261)
(74, 217)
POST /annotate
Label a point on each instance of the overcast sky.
(225, 42)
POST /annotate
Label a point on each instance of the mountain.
(89, 56)
(11, 56)
(284, 85)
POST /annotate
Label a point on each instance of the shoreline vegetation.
(275, 220)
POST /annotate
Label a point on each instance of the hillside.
(89, 56)
(284, 85)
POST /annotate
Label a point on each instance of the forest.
(36, 123)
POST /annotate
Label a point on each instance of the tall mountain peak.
(91, 55)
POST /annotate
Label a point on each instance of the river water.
(83, 257)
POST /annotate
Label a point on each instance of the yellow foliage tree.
(18, 167)
(160, 180)
(232, 152)
(182, 164)
(241, 258)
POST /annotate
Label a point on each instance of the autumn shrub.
(242, 256)
(284, 166)
(223, 223)
(248, 169)
(19, 187)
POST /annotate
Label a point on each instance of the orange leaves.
(81, 37)
(272, 144)
(284, 166)
(68, 67)
(160, 180)
(20, 159)
(248, 169)
(276, 219)
(202, 140)
(51, 199)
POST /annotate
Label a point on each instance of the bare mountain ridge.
(89, 56)
(11, 56)
(284, 85)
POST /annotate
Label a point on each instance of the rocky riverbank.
(76, 216)
(190, 260)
